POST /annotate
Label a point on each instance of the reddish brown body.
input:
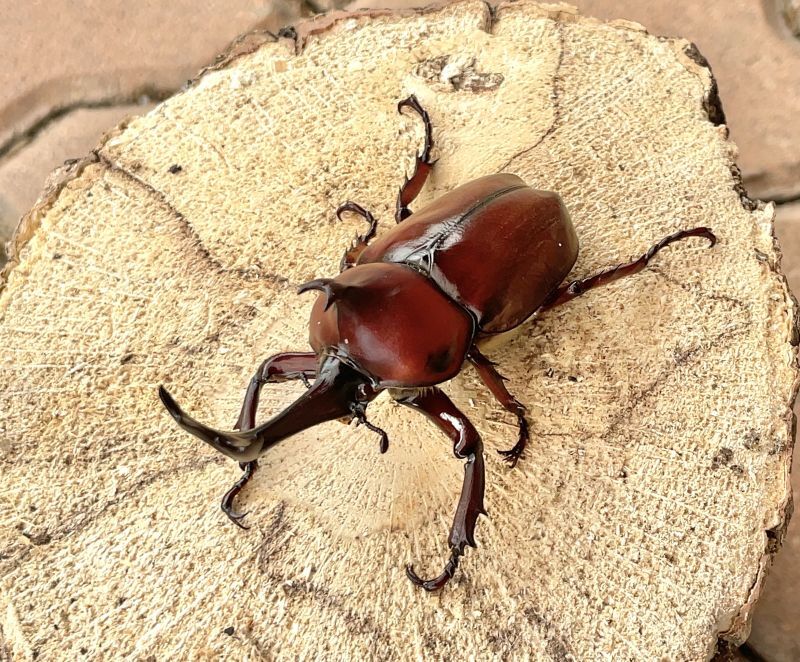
(501, 281)
(410, 308)
(405, 314)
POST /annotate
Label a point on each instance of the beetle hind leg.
(494, 382)
(576, 288)
(423, 166)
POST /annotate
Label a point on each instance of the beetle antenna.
(333, 291)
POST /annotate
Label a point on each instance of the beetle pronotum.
(407, 311)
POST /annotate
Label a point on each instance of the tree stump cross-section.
(643, 518)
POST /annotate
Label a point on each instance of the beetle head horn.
(332, 290)
(334, 394)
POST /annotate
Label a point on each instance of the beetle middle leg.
(494, 382)
(466, 445)
(423, 166)
(278, 368)
(575, 288)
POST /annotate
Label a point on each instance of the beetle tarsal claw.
(513, 455)
(410, 102)
(437, 582)
(236, 518)
(227, 500)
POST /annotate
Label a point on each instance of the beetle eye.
(361, 392)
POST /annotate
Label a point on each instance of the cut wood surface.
(642, 520)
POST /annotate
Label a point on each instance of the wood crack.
(191, 234)
(681, 357)
(45, 538)
(557, 92)
(712, 104)
(28, 135)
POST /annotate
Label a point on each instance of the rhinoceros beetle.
(410, 309)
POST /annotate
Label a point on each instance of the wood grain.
(644, 516)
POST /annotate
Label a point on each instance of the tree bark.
(655, 489)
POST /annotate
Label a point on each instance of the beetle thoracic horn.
(333, 395)
(332, 290)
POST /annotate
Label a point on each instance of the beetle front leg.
(466, 445)
(351, 254)
(248, 469)
(494, 382)
(278, 368)
(422, 167)
(575, 288)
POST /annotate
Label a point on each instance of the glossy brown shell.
(393, 324)
(495, 245)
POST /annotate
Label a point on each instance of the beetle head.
(339, 390)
